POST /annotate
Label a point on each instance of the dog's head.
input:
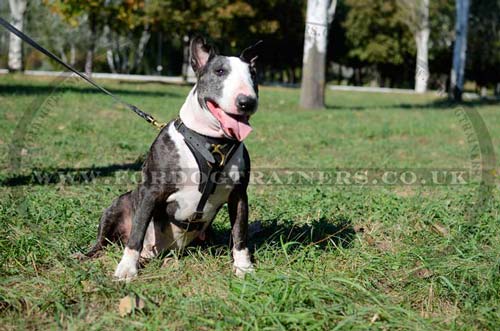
(226, 86)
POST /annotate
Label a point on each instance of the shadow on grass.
(20, 89)
(68, 175)
(347, 108)
(155, 82)
(442, 104)
(449, 104)
(319, 233)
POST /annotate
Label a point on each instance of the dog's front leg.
(127, 268)
(238, 214)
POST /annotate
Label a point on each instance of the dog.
(196, 164)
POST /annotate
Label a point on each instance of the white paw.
(127, 268)
(242, 262)
(240, 271)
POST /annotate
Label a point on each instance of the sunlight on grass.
(328, 257)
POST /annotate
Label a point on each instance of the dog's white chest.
(188, 196)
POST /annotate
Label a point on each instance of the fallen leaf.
(130, 303)
(369, 239)
(358, 229)
(440, 229)
(424, 273)
(421, 271)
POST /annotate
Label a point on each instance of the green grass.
(327, 257)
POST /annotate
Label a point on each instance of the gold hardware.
(158, 125)
(216, 149)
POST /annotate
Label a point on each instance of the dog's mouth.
(234, 126)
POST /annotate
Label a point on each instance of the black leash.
(34, 44)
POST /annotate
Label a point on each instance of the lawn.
(387, 257)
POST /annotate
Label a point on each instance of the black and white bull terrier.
(203, 149)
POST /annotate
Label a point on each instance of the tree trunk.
(72, 54)
(312, 93)
(146, 34)
(62, 54)
(422, 41)
(159, 56)
(89, 58)
(110, 59)
(483, 91)
(110, 56)
(340, 76)
(185, 59)
(17, 10)
(460, 50)
(89, 61)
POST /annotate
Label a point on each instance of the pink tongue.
(235, 128)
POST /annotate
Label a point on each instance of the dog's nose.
(246, 103)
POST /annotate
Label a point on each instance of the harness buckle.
(216, 149)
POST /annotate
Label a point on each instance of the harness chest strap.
(211, 155)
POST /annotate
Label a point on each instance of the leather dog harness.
(211, 154)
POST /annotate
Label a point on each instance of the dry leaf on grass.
(130, 303)
(358, 229)
(424, 273)
(440, 229)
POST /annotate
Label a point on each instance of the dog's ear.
(250, 54)
(200, 53)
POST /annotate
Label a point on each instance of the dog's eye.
(220, 72)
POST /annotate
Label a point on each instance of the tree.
(17, 10)
(442, 22)
(93, 13)
(378, 37)
(183, 19)
(124, 20)
(483, 56)
(76, 13)
(319, 15)
(125, 50)
(127, 30)
(417, 18)
(53, 32)
(460, 50)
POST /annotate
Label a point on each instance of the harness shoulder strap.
(211, 155)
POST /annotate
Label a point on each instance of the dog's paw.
(242, 262)
(241, 271)
(127, 268)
